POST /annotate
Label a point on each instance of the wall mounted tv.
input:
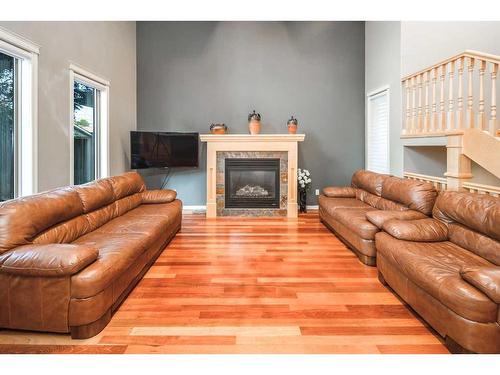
(162, 150)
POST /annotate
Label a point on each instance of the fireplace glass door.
(252, 183)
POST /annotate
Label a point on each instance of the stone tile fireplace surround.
(263, 146)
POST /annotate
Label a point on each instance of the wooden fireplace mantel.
(248, 142)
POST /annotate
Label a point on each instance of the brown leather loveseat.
(447, 268)
(356, 213)
(68, 257)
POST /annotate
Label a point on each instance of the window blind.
(377, 158)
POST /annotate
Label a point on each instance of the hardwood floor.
(238, 285)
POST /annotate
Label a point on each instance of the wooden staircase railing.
(440, 184)
(436, 103)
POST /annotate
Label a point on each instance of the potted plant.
(304, 183)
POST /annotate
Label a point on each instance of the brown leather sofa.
(68, 257)
(447, 268)
(357, 213)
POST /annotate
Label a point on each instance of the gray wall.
(426, 43)
(429, 160)
(104, 48)
(383, 68)
(191, 74)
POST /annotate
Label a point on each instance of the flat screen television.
(163, 149)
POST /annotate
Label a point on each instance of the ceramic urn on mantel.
(245, 146)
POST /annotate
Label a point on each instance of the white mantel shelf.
(252, 138)
(249, 142)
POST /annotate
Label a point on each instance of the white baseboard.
(194, 208)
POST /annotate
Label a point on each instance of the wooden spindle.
(460, 95)
(407, 127)
(414, 105)
(451, 115)
(420, 108)
(470, 93)
(481, 119)
(493, 106)
(442, 122)
(434, 121)
(427, 117)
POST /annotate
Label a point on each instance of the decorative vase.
(302, 200)
(292, 125)
(218, 129)
(254, 123)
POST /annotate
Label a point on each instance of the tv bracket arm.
(166, 178)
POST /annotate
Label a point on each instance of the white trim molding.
(27, 54)
(19, 41)
(77, 73)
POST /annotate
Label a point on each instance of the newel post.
(458, 165)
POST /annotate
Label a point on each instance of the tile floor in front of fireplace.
(252, 285)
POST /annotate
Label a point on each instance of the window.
(377, 132)
(8, 123)
(89, 126)
(18, 117)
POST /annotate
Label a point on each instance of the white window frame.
(27, 127)
(77, 73)
(370, 96)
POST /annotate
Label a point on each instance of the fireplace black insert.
(252, 183)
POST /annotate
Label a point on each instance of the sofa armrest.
(421, 230)
(339, 192)
(47, 260)
(486, 279)
(158, 196)
(379, 217)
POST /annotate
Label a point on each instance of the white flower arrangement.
(304, 179)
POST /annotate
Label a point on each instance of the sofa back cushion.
(416, 195)
(474, 221)
(24, 218)
(367, 197)
(127, 184)
(96, 194)
(63, 215)
(368, 181)
(484, 246)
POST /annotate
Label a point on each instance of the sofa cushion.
(24, 218)
(369, 181)
(152, 227)
(417, 195)
(486, 279)
(478, 212)
(116, 253)
(355, 219)
(387, 205)
(435, 267)
(482, 245)
(331, 204)
(339, 192)
(172, 210)
(379, 217)
(95, 194)
(47, 260)
(369, 198)
(127, 184)
(158, 196)
(420, 230)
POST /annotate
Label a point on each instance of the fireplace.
(252, 183)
